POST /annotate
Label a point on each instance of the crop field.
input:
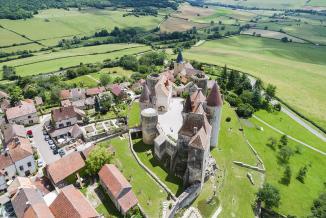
(54, 24)
(8, 38)
(263, 3)
(223, 14)
(45, 62)
(270, 34)
(187, 11)
(179, 24)
(296, 69)
(297, 197)
(29, 47)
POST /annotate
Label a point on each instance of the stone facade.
(188, 156)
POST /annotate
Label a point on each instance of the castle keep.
(182, 131)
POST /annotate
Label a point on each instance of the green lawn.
(145, 154)
(44, 63)
(114, 72)
(134, 115)
(142, 184)
(82, 81)
(286, 124)
(235, 192)
(296, 198)
(296, 69)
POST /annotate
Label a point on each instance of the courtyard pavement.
(171, 121)
(42, 146)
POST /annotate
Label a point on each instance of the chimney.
(195, 130)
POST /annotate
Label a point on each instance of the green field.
(296, 198)
(236, 193)
(142, 185)
(45, 62)
(49, 26)
(296, 69)
(82, 81)
(317, 3)
(134, 115)
(278, 4)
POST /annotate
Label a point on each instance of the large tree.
(96, 159)
(318, 209)
(269, 195)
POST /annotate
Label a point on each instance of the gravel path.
(294, 139)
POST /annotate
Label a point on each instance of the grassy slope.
(114, 72)
(56, 23)
(44, 63)
(83, 81)
(134, 114)
(285, 123)
(9, 38)
(142, 184)
(296, 199)
(296, 69)
(236, 192)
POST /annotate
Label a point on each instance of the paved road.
(294, 139)
(294, 116)
(42, 146)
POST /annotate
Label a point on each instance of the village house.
(8, 170)
(24, 114)
(72, 203)
(67, 166)
(64, 121)
(118, 188)
(73, 94)
(29, 202)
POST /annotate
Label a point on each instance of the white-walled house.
(66, 116)
(24, 114)
(21, 154)
(7, 170)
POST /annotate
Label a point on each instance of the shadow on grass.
(110, 209)
(140, 147)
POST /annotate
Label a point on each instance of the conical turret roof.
(144, 97)
(214, 98)
(179, 57)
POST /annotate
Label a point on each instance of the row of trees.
(247, 98)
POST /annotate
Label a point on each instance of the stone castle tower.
(149, 120)
(214, 112)
(179, 64)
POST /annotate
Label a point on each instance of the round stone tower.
(151, 81)
(214, 112)
(201, 80)
(149, 119)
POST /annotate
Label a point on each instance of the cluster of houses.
(37, 198)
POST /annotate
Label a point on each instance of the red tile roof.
(118, 186)
(70, 203)
(115, 89)
(20, 148)
(20, 110)
(214, 98)
(94, 91)
(64, 94)
(64, 113)
(64, 167)
(5, 161)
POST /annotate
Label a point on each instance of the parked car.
(46, 137)
(9, 209)
(45, 132)
(55, 151)
(50, 142)
(62, 152)
(40, 163)
(29, 133)
(54, 147)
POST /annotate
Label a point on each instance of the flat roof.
(171, 121)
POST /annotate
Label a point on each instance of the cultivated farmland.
(296, 69)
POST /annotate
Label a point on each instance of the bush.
(245, 110)
(228, 119)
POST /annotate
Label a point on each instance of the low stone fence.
(249, 166)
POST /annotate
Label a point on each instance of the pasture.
(54, 24)
(9, 38)
(297, 197)
(296, 69)
(278, 4)
(270, 34)
(45, 62)
(173, 24)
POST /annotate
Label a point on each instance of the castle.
(182, 131)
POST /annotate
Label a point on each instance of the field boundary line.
(24, 36)
(80, 55)
(294, 139)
